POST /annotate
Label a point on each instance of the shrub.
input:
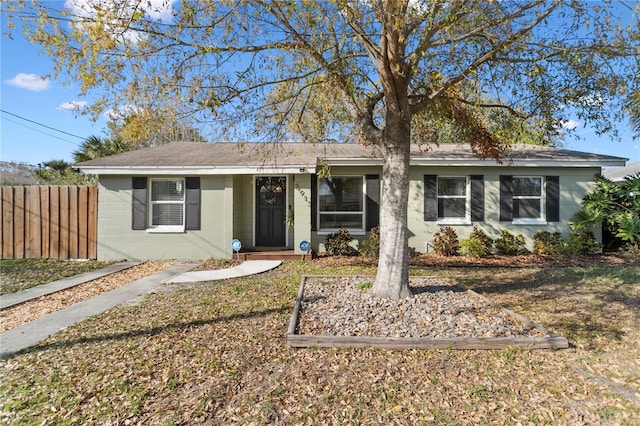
(509, 244)
(370, 247)
(545, 243)
(582, 242)
(616, 207)
(471, 247)
(337, 243)
(445, 242)
(478, 244)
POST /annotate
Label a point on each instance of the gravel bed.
(339, 306)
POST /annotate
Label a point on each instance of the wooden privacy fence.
(49, 221)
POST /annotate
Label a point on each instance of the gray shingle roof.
(221, 155)
(617, 174)
(205, 155)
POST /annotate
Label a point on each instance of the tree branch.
(487, 56)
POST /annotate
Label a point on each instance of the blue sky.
(24, 94)
(37, 123)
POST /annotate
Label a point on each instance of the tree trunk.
(392, 279)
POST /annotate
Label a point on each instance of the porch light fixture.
(301, 169)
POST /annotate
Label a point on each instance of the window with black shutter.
(166, 204)
(454, 199)
(530, 199)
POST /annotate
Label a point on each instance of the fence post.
(64, 222)
(7, 222)
(54, 217)
(18, 222)
(45, 225)
(93, 223)
(83, 221)
(34, 234)
(73, 222)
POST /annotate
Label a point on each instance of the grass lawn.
(21, 274)
(215, 353)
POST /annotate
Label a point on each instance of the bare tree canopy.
(271, 68)
(229, 60)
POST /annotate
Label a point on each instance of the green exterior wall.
(301, 187)
(243, 209)
(116, 239)
(575, 183)
(227, 212)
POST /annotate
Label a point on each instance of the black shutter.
(506, 198)
(553, 198)
(430, 197)
(477, 198)
(314, 202)
(139, 203)
(373, 201)
(192, 203)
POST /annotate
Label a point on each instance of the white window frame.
(466, 220)
(542, 220)
(166, 228)
(354, 231)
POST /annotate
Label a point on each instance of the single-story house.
(618, 174)
(191, 200)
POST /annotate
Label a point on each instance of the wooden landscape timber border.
(550, 341)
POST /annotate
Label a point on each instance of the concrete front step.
(272, 255)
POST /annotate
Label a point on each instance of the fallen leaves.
(21, 274)
(38, 308)
(215, 353)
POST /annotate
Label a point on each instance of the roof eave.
(346, 162)
(194, 170)
(506, 162)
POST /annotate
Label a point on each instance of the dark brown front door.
(271, 200)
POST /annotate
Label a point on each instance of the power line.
(43, 132)
(40, 124)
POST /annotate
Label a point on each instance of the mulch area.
(34, 309)
(495, 261)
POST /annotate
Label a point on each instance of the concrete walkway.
(26, 335)
(248, 267)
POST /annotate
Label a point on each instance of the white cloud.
(74, 106)
(160, 10)
(157, 10)
(112, 15)
(570, 124)
(120, 113)
(29, 82)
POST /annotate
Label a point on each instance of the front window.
(167, 203)
(527, 197)
(452, 198)
(341, 203)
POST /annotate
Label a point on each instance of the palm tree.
(633, 107)
(616, 207)
(96, 147)
(59, 172)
